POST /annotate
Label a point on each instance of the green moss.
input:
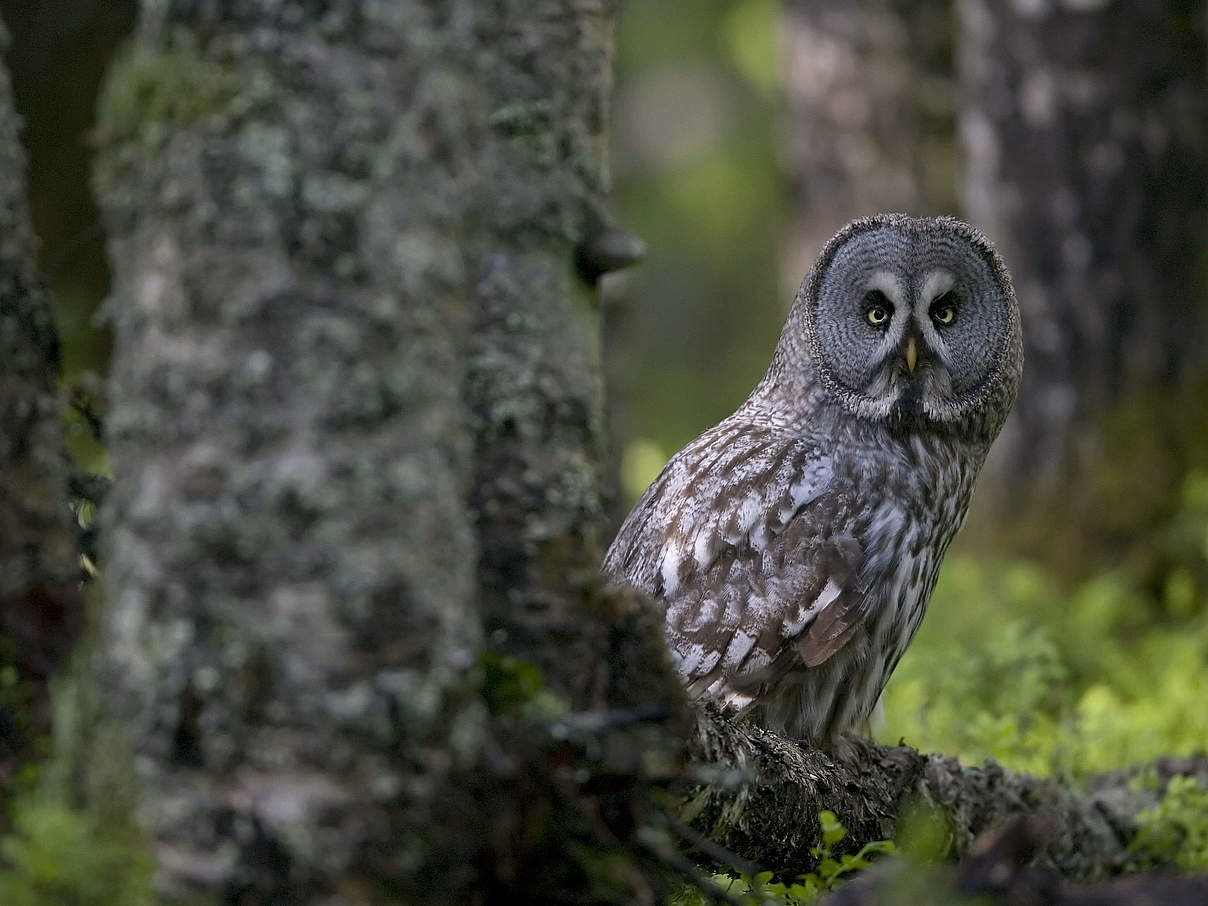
(514, 686)
(1175, 831)
(151, 92)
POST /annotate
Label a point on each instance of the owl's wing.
(747, 540)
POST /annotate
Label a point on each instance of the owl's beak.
(912, 354)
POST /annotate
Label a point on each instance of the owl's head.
(910, 318)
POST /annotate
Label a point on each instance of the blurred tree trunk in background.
(40, 605)
(1083, 153)
(871, 112)
(1085, 136)
(355, 426)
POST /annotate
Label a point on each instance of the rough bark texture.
(355, 420)
(290, 625)
(768, 811)
(1085, 128)
(39, 599)
(534, 374)
(998, 869)
(871, 105)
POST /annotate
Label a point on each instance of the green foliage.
(1011, 666)
(832, 870)
(516, 687)
(750, 32)
(57, 856)
(697, 179)
(59, 853)
(1176, 829)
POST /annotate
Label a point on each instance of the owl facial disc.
(910, 317)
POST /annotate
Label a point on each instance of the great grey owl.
(795, 545)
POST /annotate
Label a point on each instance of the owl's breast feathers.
(750, 541)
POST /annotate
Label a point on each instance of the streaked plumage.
(794, 546)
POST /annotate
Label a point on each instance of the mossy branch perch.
(767, 811)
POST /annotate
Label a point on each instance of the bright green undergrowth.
(1010, 665)
(763, 890)
(1176, 829)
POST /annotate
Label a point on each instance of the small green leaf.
(832, 830)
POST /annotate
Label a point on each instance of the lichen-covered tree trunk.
(40, 609)
(355, 423)
(870, 103)
(290, 567)
(1084, 129)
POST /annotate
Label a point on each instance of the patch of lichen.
(150, 95)
(152, 91)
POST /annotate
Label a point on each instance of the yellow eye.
(877, 315)
(944, 314)
(944, 309)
